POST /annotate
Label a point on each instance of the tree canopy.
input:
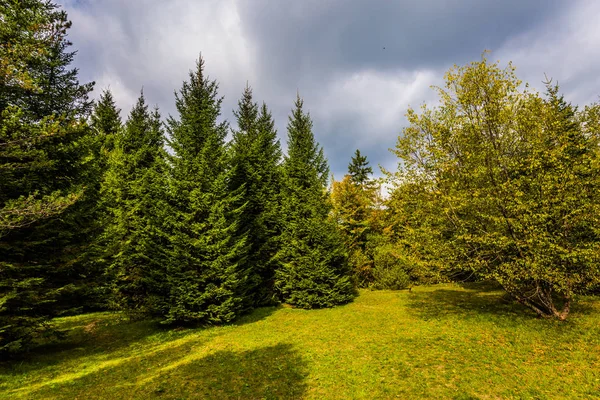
(509, 184)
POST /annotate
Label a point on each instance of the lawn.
(444, 341)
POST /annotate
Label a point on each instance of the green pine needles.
(256, 175)
(209, 230)
(136, 197)
(314, 270)
(207, 272)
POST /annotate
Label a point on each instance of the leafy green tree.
(418, 245)
(314, 271)
(256, 157)
(45, 171)
(510, 185)
(208, 272)
(135, 192)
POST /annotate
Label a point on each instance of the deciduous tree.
(512, 183)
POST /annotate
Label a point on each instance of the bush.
(362, 267)
(392, 269)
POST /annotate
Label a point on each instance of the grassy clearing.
(445, 341)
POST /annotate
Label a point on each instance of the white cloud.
(378, 99)
(153, 43)
(565, 48)
(372, 105)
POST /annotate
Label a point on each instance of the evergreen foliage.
(106, 123)
(208, 271)
(46, 173)
(256, 157)
(359, 169)
(314, 271)
(42, 81)
(135, 192)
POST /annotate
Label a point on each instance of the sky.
(358, 64)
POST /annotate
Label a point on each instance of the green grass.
(445, 341)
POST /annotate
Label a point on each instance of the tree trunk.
(545, 307)
(565, 311)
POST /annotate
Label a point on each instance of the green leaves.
(507, 181)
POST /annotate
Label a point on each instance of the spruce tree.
(46, 170)
(135, 190)
(256, 157)
(106, 126)
(207, 274)
(354, 202)
(359, 169)
(314, 271)
(106, 123)
(57, 88)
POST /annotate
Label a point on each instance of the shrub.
(392, 269)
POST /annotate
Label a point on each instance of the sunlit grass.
(444, 341)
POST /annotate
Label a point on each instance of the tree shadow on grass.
(476, 300)
(256, 315)
(443, 303)
(87, 377)
(96, 333)
(84, 335)
(275, 372)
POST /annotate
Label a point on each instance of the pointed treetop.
(247, 112)
(265, 119)
(106, 117)
(139, 109)
(304, 153)
(200, 68)
(359, 169)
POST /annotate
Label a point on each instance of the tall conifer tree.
(106, 123)
(208, 272)
(93, 217)
(45, 172)
(256, 173)
(359, 169)
(314, 271)
(135, 190)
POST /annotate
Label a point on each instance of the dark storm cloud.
(308, 44)
(300, 42)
